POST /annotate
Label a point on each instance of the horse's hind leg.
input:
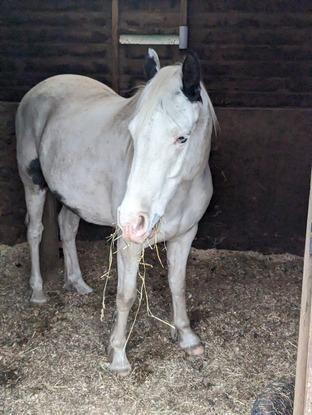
(35, 198)
(69, 223)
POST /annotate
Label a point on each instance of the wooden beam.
(183, 13)
(115, 45)
(183, 28)
(308, 380)
(49, 247)
(303, 386)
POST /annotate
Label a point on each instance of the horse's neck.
(119, 127)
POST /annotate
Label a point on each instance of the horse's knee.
(34, 232)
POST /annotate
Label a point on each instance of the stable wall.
(257, 65)
(255, 53)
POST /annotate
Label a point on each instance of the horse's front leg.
(127, 262)
(177, 253)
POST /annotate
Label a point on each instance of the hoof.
(79, 286)
(120, 368)
(38, 297)
(122, 372)
(197, 350)
(119, 363)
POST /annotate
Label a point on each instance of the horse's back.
(66, 87)
(56, 92)
(50, 96)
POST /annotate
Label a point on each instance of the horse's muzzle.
(136, 229)
(139, 228)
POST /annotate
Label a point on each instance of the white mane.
(164, 83)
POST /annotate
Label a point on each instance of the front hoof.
(119, 363)
(120, 371)
(197, 350)
(38, 297)
(120, 368)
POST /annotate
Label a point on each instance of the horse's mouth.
(153, 232)
(150, 236)
(154, 227)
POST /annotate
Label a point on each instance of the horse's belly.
(87, 187)
(84, 169)
(91, 203)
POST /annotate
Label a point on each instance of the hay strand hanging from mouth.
(142, 275)
(143, 265)
(107, 275)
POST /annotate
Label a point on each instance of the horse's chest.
(187, 207)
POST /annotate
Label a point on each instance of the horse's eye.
(182, 139)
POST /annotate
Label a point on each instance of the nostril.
(135, 228)
(140, 225)
(141, 222)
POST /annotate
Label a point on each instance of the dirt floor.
(244, 306)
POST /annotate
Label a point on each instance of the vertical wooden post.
(183, 27)
(303, 386)
(115, 45)
(183, 13)
(308, 383)
(49, 247)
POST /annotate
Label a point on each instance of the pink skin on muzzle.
(137, 230)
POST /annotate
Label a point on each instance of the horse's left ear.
(151, 64)
(191, 77)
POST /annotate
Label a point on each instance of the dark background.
(257, 66)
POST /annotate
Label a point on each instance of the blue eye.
(182, 139)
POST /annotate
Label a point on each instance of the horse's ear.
(191, 77)
(151, 64)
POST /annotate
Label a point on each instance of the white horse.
(136, 162)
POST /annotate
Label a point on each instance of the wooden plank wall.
(39, 39)
(145, 16)
(253, 54)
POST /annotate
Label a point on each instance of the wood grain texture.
(115, 45)
(39, 39)
(183, 12)
(303, 387)
(253, 53)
